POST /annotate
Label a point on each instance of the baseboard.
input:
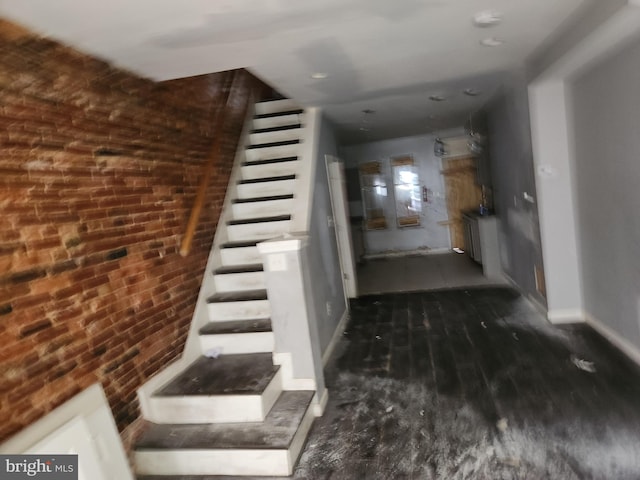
(566, 315)
(337, 335)
(614, 338)
(318, 408)
(285, 361)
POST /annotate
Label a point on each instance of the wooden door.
(463, 194)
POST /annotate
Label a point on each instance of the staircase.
(221, 409)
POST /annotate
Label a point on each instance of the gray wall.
(512, 174)
(429, 235)
(606, 116)
(329, 302)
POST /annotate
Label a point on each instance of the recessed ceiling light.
(472, 92)
(491, 42)
(368, 111)
(364, 129)
(437, 98)
(487, 18)
(319, 75)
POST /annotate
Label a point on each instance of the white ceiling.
(383, 55)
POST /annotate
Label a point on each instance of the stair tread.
(240, 374)
(280, 128)
(268, 179)
(268, 161)
(279, 114)
(241, 244)
(254, 267)
(275, 432)
(243, 296)
(237, 326)
(279, 143)
(246, 221)
(263, 199)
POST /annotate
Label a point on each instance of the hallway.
(415, 273)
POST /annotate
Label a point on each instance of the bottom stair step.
(263, 448)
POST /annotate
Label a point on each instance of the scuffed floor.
(473, 384)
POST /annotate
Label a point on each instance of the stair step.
(277, 121)
(255, 267)
(244, 336)
(269, 161)
(293, 111)
(227, 375)
(280, 143)
(248, 243)
(230, 388)
(271, 447)
(240, 253)
(246, 221)
(261, 199)
(279, 150)
(236, 278)
(283, 185)
(242, 326)
(268, 179)
(238, 296)
(279, 105)
(267, 169)
(227, 306)
(279, 128)
(258, 228)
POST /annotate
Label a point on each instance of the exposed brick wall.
(98, 172)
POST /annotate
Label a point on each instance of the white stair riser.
(275, 106)
(279, 121)
(215, 408)
(277, 136)
(254, 462)
(233, 343)
(250, 172)
(262, 209)
(231, 282)
(225, 311)
(213, 462)
(240, 256)
(265, 189)
(255, 231)
(266, 153)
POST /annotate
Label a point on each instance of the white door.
(340, 206)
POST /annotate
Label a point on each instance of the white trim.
(321, 404)
(614, 337)
(566, 315)
(285, 360)
(301, 213)
(90, 409)
(337, 335)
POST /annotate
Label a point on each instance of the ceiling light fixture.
(487, 18)
(368, 111)
(491, 42)
(472, 92)
(437, 98)
(319, 75)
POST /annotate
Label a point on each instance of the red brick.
(69, 206)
